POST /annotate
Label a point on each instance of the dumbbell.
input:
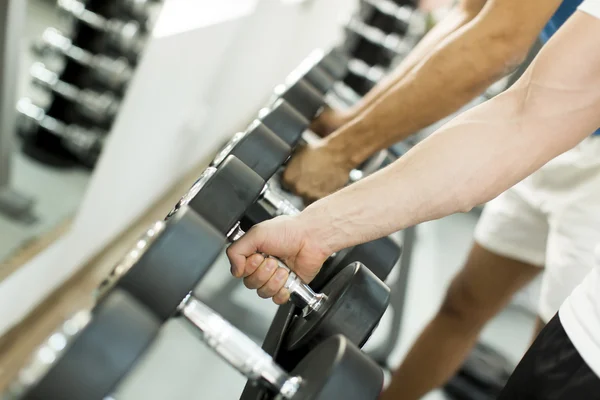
(165, 265)
(90, 353)
(362, 77)
(305, 87)
(371, 45)
(124, 36)
(264, 152)
(115, 73)
(137, 9)
(351, 303)
(169, 260)
(82, 143)
(385, 16)
(334, 370)
(99, 107)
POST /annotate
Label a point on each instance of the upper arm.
(472, 7)
(560, 91)
(512, 26)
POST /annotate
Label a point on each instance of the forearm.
(461, 67)
(476, 156)
(453, 21)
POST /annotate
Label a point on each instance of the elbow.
(506, 58)
(465, 204)
(506, 47)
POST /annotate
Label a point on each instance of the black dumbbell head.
(335, 63)
(168, 262)
(259, 148)
(356, 301)
(302, 96)
(222, 195)
(336, 369)
(102, 353)
(285, 121)
(368, 45)
(311, 71)
(379, 255)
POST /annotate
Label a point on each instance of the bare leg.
(485, 285)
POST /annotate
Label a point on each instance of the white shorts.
(551, 219)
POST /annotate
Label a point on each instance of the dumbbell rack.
(83, 77)
(379, 34)
(254, 324)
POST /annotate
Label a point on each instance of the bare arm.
(458, 17)
(470, 160)
(481, 153)
(459, 68)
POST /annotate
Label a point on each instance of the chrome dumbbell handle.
(300, 293)
(238, 349)
(115, 72)
(100, 107)
(80, 141)
(276, 204)
(45, 78)
(125, 35)
(78, 10)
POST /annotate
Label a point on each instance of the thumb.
(243, 248)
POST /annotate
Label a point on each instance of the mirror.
(68, 67)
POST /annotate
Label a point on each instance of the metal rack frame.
(12, 17)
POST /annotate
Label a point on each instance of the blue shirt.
(566, 9)
(562, 14)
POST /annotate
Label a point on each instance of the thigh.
(513, 226)
(486, 283)
(574, 234)
(552, 369)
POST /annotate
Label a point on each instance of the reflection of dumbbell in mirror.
(136, 9)
(114, 73)
(124, 36)
(90, 353)
(385, 16)
(164, 267)
(84, 144)
(351, 303)
(265, 153)
(362, 77)
(100, 108)
(371, 45)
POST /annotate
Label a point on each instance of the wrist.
(351, 144)
(321, 227)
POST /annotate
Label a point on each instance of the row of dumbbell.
(96, 350)
(117, 27)
(82, 88)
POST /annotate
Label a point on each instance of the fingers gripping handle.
(300, 293)
(238, 349)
